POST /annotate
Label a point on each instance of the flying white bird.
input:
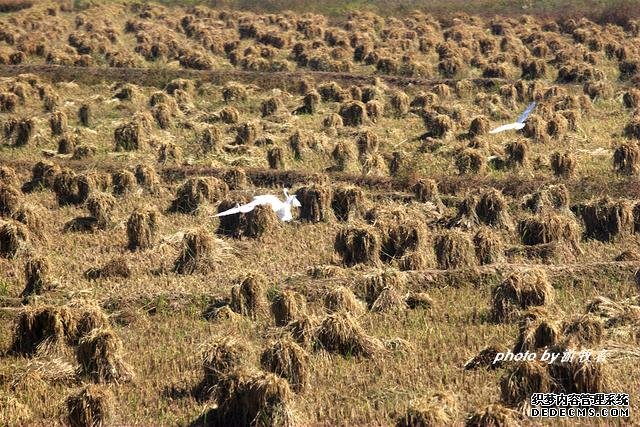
(519, 124)
(282, 209)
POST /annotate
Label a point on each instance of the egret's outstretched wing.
(267, 199)
(526, 112)
(239, 209)
(502, 128)
(231, 211)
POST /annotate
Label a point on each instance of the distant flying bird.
(519, 124)
(282, 209)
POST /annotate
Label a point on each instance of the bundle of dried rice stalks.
(255, 399)
(196, 191)
(488, 246)
(454, 250)
(101, 205)
(389, 301)
(358, 244)
(40, 328)
(99, 355)
(426, 191)
(303, 330)
(626, 159)
(231, 225)
(579, 376)
(401, 236)
(563, 164)
(519, 291)
(261, 221)
(417, 300)
(197, 253)
(8, 176)
(585, 330)
(547, 198)
(316, 203)
(42, 176)
(36, 272)
(248, 295)
(467, 216)
(342, 298)
(287, 306)
(374, 283)
(87, 317)
(416, 260)
(435, 410)
(341, 333)
(549, 228)
(91, 406)
(141, 228)
(492, 209)
(524, 379)
(493, 416)
(536, 330)
(615, 313)
(220, 358)
(220, 312)
(10, 199)
(347, 202)
(117, 267)
(288, 360)
(484, 359)
(147, 178)
(606, 219)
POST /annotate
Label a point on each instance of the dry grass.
(13, 412)
(407, 204)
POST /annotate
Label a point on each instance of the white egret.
(518, 124)
(282, 209)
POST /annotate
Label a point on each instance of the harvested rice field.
(380, 249)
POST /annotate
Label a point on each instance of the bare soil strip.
(159, 77)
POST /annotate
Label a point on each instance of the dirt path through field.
(267, 79)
